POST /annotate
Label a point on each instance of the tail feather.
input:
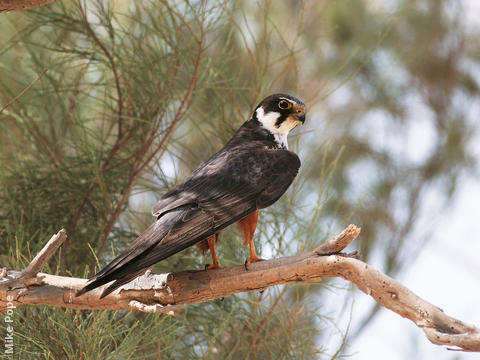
(119, 282)
(171, 233)
(120, 267)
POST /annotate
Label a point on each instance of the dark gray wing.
(233, 176)
(222, 191)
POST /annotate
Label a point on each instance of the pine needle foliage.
(128, 97)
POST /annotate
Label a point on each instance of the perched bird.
(251, 172)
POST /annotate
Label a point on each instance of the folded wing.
(223, 190)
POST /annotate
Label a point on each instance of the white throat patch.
(280, 133)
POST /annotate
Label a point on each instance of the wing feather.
(221, 191)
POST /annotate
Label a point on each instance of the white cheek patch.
(281, 132)
(268, 121)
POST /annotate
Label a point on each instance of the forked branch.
(169, 293)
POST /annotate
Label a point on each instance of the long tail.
(131, 262)
(171, 233)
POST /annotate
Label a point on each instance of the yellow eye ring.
(284, 104)
(299, 111)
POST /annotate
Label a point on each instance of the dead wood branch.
(46, 253)
(169, 293)
(11, 5)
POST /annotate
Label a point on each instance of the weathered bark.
(11, 5)
(169, 293)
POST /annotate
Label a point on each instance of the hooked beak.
(299, 113)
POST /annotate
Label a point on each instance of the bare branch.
(169, 293)
(46, 253)
(339, 242)
(10, 5)
(21, 280)
(24, 90)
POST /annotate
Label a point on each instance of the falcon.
(251, 172)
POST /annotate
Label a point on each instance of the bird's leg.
(248, 225)
(212, 241)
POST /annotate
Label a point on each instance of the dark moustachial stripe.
(282, 118)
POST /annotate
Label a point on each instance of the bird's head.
(279, 114)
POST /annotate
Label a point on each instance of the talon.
(212, 266)
(252, 259)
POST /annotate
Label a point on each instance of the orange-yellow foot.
(252, 259)
(212, 266)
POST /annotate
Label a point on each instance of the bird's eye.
(284, 104)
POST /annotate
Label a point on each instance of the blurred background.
(129, 97)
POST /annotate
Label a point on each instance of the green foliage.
(137, 94)
(72, 334)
